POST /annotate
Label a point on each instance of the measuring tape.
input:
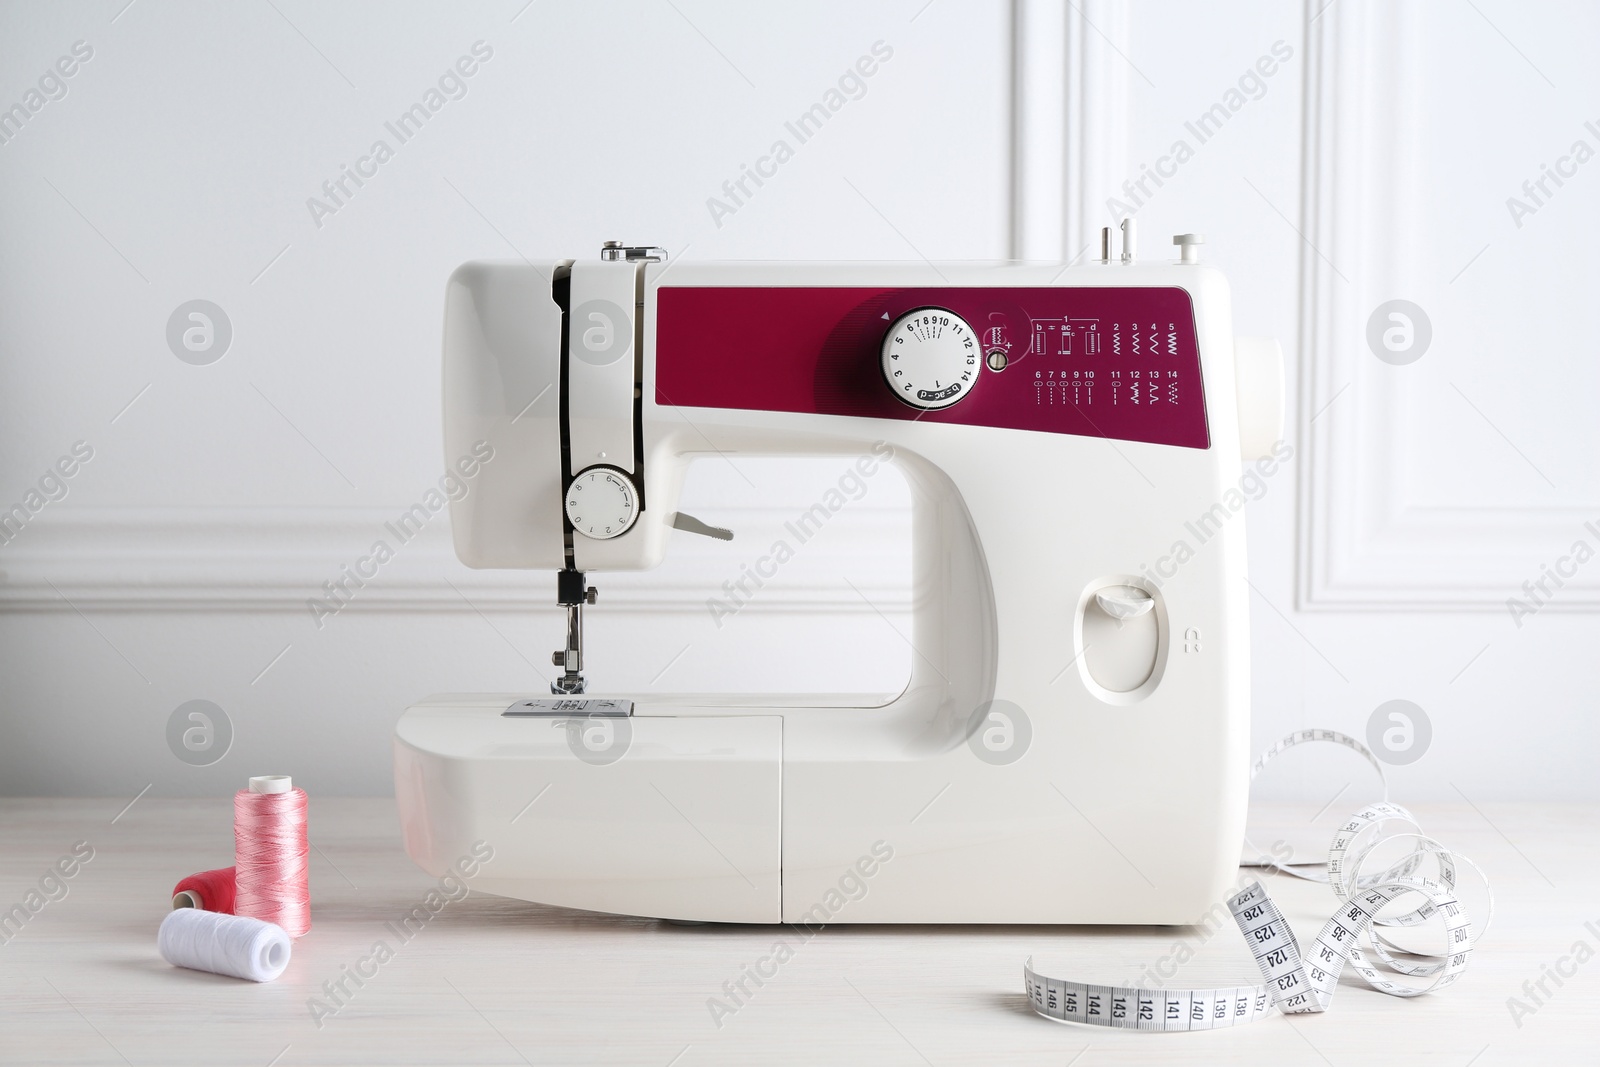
(1295, 982)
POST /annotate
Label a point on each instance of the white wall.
(179, 163)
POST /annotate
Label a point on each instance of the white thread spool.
(234, 945)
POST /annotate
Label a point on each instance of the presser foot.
(573, 595)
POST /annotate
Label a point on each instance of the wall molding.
(1363, 543)
(276, 559)
(1069, 106)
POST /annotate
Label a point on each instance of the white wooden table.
(494, 981)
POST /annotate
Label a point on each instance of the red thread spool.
(208, 891)
(272, 857)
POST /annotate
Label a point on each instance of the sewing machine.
(1072, 744)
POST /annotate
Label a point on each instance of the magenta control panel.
(1119, 363)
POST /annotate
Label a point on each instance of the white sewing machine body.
(1094, 462)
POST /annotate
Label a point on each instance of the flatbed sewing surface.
(493, 981)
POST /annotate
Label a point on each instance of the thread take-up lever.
(573, 594)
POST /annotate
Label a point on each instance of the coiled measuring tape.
(1295, 982)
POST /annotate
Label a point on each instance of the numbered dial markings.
(930, 358)
(602, 503)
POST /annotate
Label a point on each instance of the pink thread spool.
(271, 854)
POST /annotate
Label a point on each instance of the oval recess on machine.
(1121, 638)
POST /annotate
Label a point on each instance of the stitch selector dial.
(930, 358)
(602, 503)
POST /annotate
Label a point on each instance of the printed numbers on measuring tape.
(1294, 982)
